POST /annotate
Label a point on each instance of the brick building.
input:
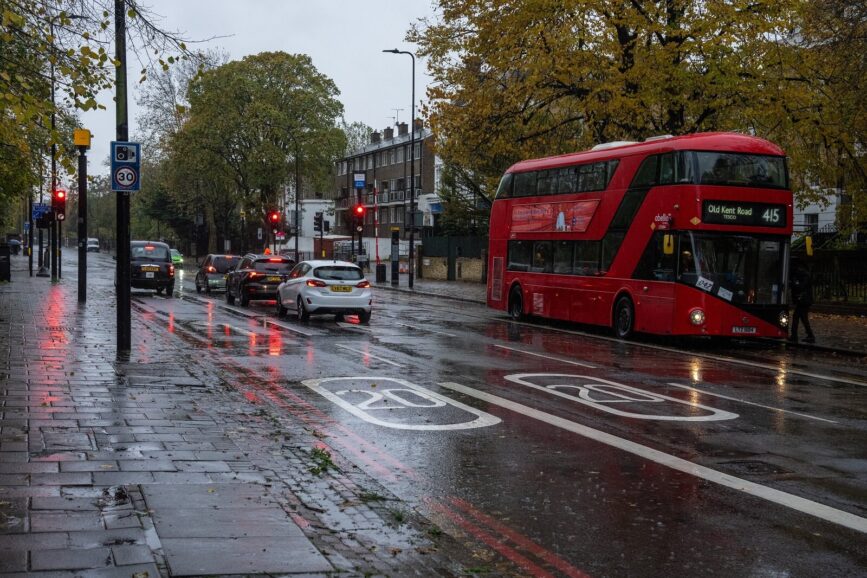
(385, 161)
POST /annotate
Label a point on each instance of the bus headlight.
(696, 317)
(784, 319)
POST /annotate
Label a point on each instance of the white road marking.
(288, 328)
(613, 392)
(560, 359)
(366, 354)
(785, 499)
(750, 402)
(417, 328)
(396, 402)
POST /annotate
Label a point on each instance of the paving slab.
(201, 556)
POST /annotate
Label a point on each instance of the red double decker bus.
(680, 235)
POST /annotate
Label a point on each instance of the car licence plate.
(341, 288)
(743, 330)
(273, 279)
(150, 268)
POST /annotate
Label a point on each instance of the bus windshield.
(740, 170)
(741, 269)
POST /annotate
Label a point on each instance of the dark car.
(212, 272)
(151, 267)
(256, 278)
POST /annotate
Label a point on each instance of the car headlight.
(784, 319)
(696, 317)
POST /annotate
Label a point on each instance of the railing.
(839, 275)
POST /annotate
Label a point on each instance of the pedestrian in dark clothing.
(802, 297)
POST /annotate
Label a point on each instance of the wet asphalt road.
(560, 449)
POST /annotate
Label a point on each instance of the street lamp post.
(411, 170)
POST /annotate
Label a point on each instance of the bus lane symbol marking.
(600, 394)
(392, 394)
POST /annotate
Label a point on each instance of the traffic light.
(317, 222)
(274, 218)
(358, 213)
(58, 203)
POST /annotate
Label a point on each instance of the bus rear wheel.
(516, 304)
(624, 318)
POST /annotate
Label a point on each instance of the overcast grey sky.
(344, 38)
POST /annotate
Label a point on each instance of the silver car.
(323, 287)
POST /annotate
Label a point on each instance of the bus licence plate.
(743, 330)
(341, 288)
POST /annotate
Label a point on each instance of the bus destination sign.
(743, 214)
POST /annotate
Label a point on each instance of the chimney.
(375, 137)
(389, 133)
(402, 129)
(418, 124)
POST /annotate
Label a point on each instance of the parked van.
(93, 245)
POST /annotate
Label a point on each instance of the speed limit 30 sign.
(125, 166)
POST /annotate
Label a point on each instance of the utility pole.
(124, 337)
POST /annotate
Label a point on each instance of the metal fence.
(471, 247)
(839, 275)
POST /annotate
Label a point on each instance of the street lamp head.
(393, 51)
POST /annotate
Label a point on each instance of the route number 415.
(771, 216)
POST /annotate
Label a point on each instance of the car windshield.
(175, 253)
(223, 264)
(738, 268)
(152, 252)
(275, 265)
(338, 273)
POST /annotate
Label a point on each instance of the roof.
(704, 141)
(325, 262)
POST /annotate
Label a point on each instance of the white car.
(92, 245)
(322, 287)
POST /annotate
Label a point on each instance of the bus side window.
(586, 258)
(546, 182)
(504, 191)
(563, 257)
(525, 184)
(542, 257)
(646, 175)
(520, 253)
(567, 180)
(666, 169)
(655, 265)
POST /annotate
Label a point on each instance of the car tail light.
(363, 284)
(252, 274)
(275, 260)
(316, 283)
(212, 269)
(171, 270)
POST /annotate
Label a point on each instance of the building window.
(399, 158)
(811, 222)
(418, 150)
(418, 181)
(369, 162)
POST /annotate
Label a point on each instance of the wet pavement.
(441, 439)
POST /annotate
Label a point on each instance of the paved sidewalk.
(843, 333)
(167, 463)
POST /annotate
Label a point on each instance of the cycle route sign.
(125, 166)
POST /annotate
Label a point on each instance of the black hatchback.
(151, 267)
(256, 278)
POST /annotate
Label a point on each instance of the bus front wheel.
(516, 304)
(624, 318)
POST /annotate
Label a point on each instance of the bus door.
(655, 275)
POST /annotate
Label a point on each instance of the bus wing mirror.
(808, 243)
(668, 244)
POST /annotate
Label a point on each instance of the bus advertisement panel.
(673, 236)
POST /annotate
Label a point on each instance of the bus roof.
(703, 141)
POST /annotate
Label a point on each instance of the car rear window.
(223, 264)
(153, 252)
(274, 265)
(338, 273)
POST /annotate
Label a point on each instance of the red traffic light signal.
(58, 203)
(359, 212)
(274, 217)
